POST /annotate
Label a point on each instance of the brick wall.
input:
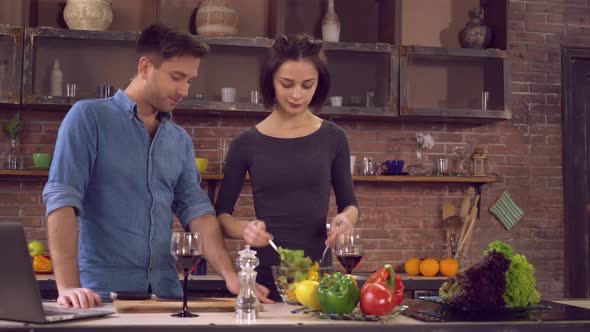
(403, 220)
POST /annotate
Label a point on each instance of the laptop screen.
(20, 298)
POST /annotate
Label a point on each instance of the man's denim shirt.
(124, 189)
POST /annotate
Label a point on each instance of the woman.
(292, 157)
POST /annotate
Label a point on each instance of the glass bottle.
(459, 160)
(13, 162)
(417, 167)
(247, 303)
(368, 166)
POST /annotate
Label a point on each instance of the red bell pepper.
(382, 291)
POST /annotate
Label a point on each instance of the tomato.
(377, 299)
(307, 293)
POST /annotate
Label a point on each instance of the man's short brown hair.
(160, 42)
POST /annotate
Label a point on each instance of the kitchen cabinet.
(93, 58)
(87, 58)
(10, 65)
(454, 82)
(434, 81)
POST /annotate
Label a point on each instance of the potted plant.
(13, 128)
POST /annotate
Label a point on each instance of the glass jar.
(479, 159)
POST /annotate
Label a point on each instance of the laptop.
(20, 299)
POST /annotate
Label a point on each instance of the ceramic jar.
(216, 18)
(476, 33)
(88, 14)
(331, 24)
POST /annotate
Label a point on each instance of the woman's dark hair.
(295, 47)
(160, 42)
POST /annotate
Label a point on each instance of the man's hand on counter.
(233, 285)
(262, 294)
(79, 298)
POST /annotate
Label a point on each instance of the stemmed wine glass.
(349, 249)
(187, 249)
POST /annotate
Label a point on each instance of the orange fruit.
(412, 266)
(449, 266)
(429, 267)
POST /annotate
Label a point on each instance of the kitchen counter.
(279, 316)
(214, 285)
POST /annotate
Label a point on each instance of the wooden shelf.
(356, 111)
(24, 173)
(408, 178)
(195, 104)
(453, 52)
(39, 173)
(48, 32)
(464, 113)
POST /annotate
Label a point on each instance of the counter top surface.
(280, 315)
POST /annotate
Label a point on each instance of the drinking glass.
(187, 249)
(349, 249)
(222, 148)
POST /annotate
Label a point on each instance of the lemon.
(307, 293)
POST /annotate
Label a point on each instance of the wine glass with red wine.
(349, 249)
(187, 249)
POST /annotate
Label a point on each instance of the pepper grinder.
(246, 303)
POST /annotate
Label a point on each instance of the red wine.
(186, 262)
(349, 262)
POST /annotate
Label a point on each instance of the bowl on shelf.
(287, 278)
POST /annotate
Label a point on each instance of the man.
(122, 167)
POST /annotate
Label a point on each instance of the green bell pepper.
(338, 293)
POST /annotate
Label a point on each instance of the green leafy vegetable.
(500, 247)
(295, 265)
(501, 279)
(520, 283)
(294, 258)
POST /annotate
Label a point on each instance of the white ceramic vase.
(89, 14)
(331, 24)
(216, 18)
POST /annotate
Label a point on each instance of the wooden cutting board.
(155, 306)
